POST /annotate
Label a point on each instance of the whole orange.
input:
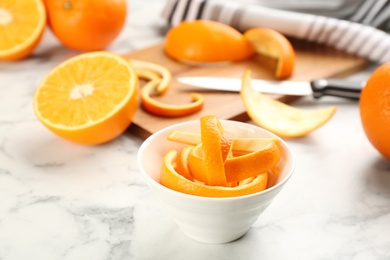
(86, 25)
(375, 109)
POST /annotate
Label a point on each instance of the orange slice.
(171, 179)
(206, 41)
(21, 27)
(168, 110)
(211, 131)
(88, 99)
(279, 118)
(271, 43)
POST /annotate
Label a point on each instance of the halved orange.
(88, 99)
(22, 24)
(171, 179)
(271, 43)
(206, 41)
(280, 118)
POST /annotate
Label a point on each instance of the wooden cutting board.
(312, 62)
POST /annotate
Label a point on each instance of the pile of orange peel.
(215, 163)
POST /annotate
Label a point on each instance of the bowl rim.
(196, 197)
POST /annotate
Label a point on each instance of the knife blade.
(316, 88)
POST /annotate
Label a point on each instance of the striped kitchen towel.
(358, 27)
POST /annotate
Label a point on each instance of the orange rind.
(212, 165)
(171, 179)
(204, 41)
(273, 44)
(22, 24)
(278, 117)
(211, 131)
(159, 108)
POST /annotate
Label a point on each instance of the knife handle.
(336, 88)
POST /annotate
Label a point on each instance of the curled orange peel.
(164, 73)
(168, 110)
(171, 179)
(146, 74)
(277, 117)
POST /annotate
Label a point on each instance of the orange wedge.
(88, 99)
(271, 43)
(206, 41)
(158, 108)
(171, 179)
(21, 27)
(279, 118)
(211, 131)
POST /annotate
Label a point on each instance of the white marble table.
(59, 200)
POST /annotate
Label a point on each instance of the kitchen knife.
(316, 88)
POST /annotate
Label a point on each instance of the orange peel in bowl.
(278, 117)
(211, 131)
(205, 41)
(273, 44)
(170, 178)
(213, 166)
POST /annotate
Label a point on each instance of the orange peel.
(211, 131)
(168, 110)
(280, 118)
(22, 25)
(273, 44)
(171, 179)
(239, 145)
(182, 164)
(164, 73)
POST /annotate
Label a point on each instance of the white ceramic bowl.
(210, 220)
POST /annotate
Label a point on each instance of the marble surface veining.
(59, 200)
